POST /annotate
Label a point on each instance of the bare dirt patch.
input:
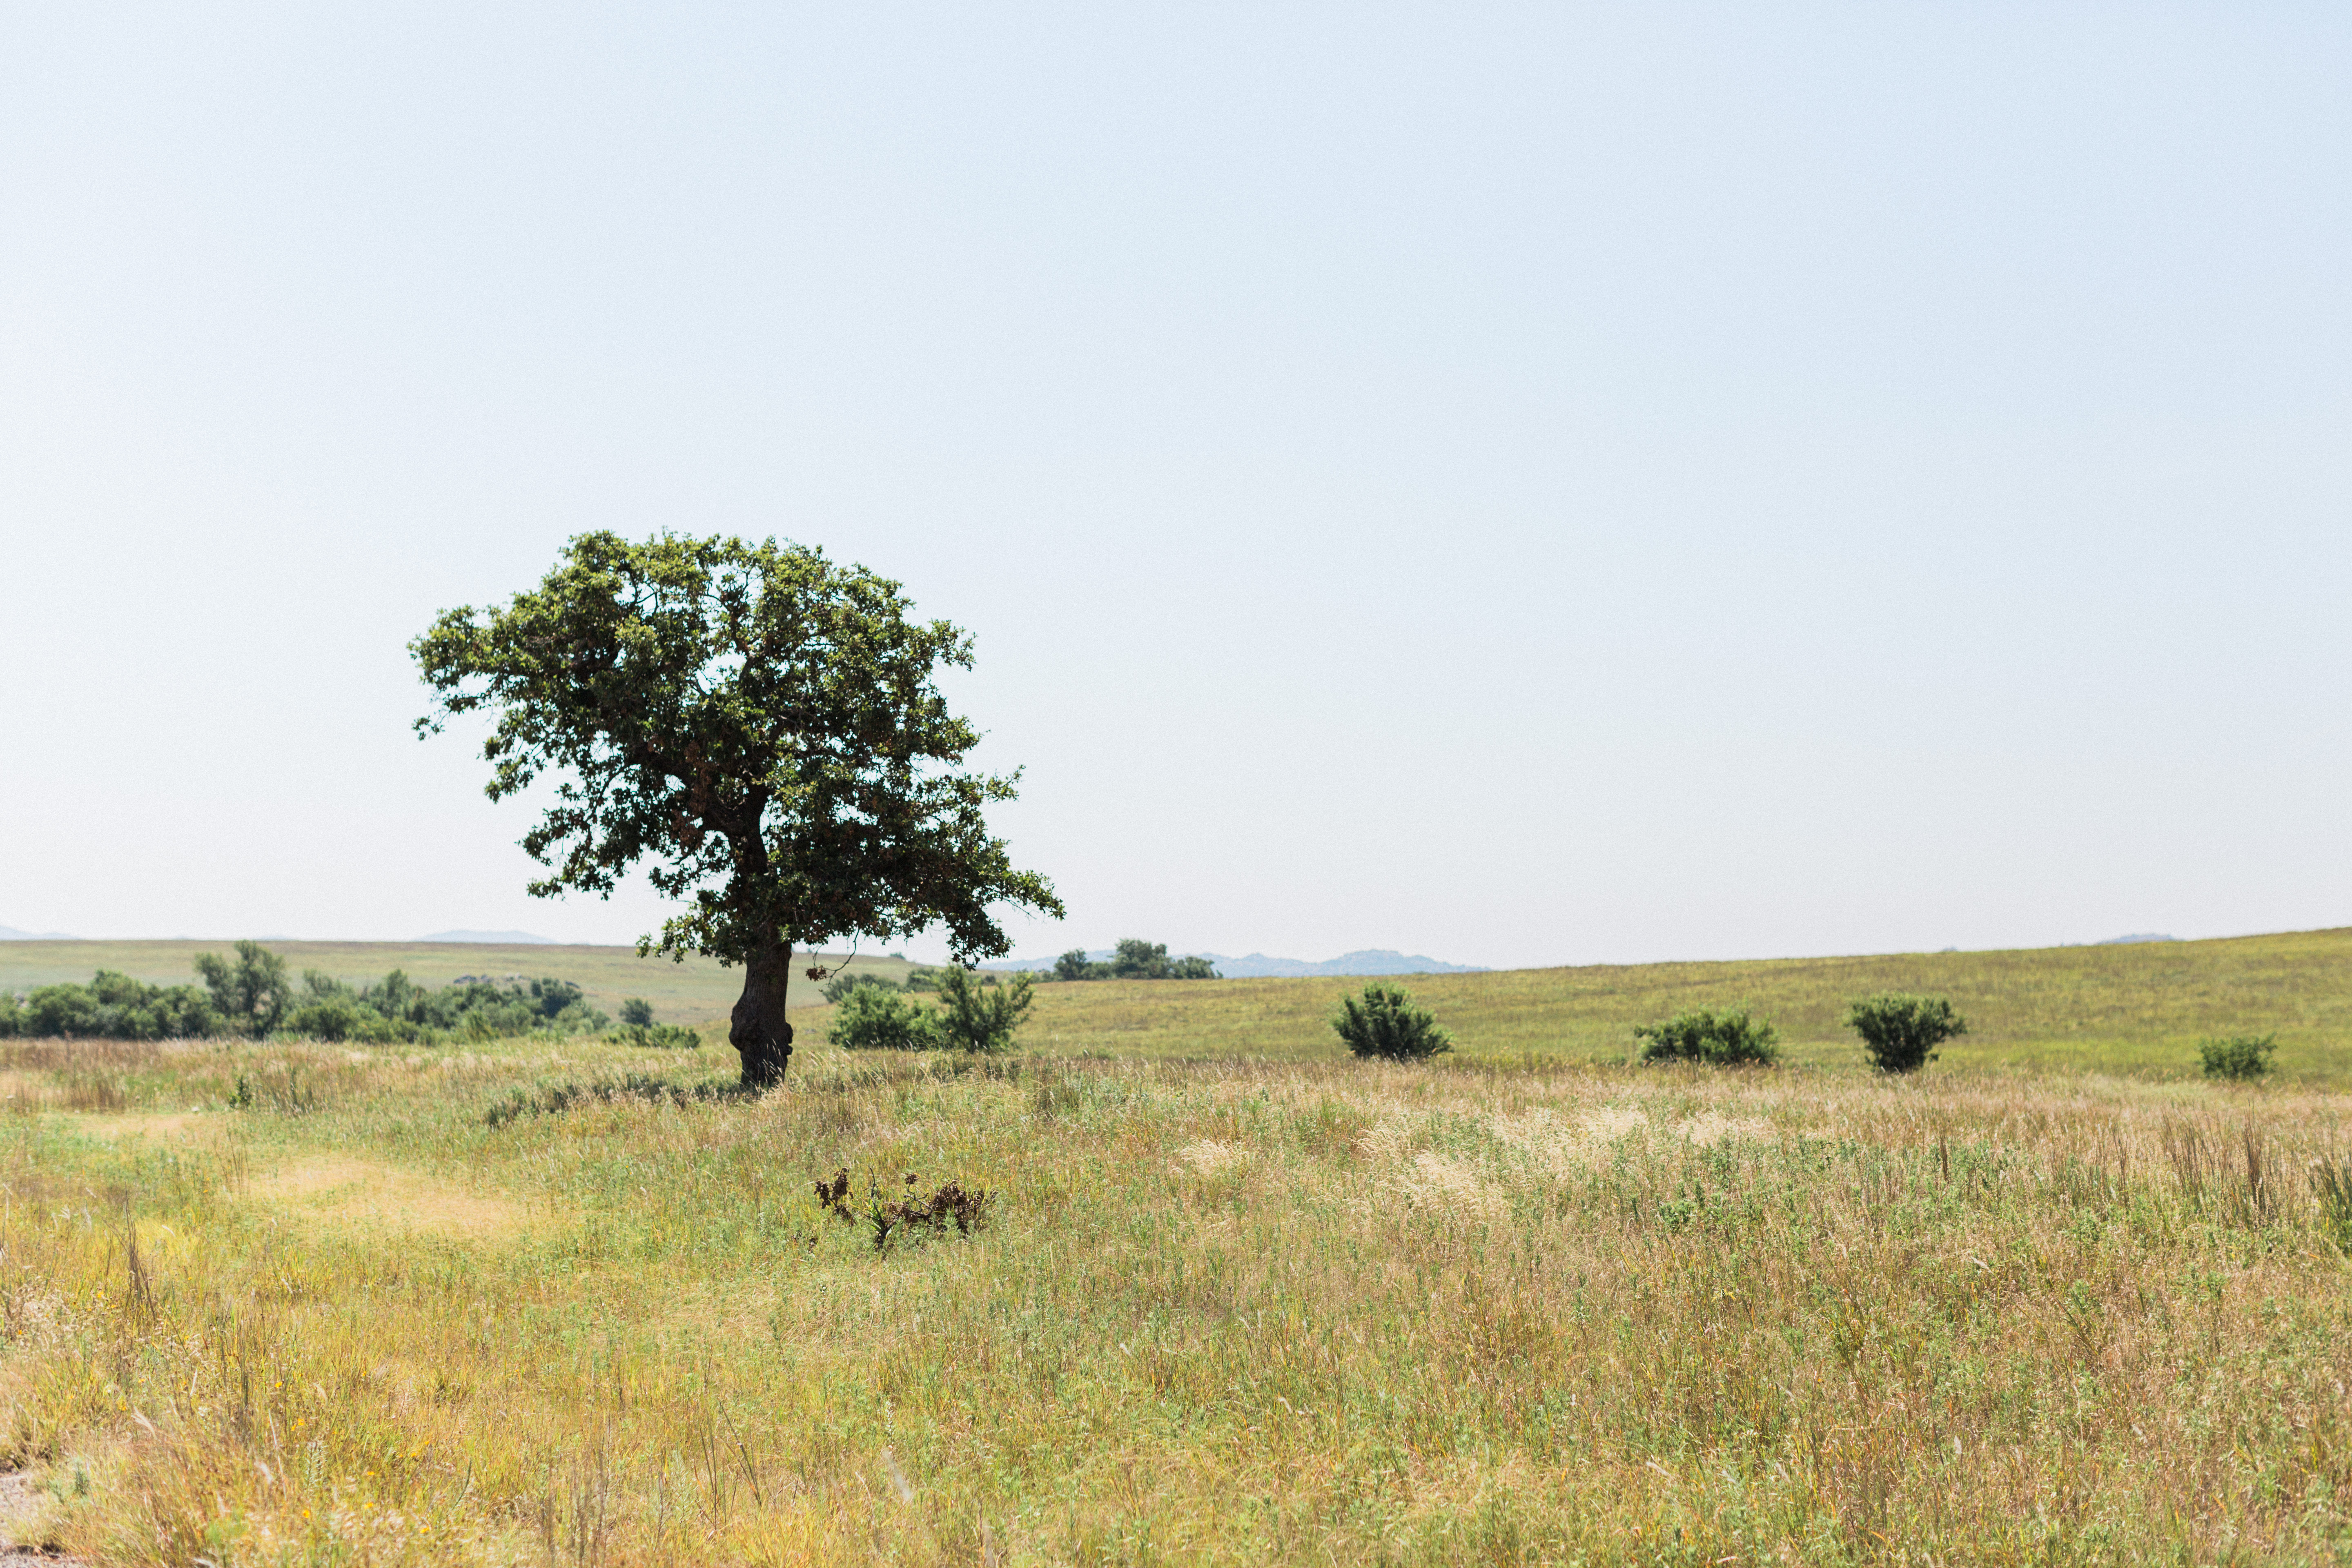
(367, 1191)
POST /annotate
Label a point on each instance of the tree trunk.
(759, 1029)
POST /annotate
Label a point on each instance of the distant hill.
(10, 933)
(504, 938)
(2138, 936)
(1259, 965)
(1363, 961)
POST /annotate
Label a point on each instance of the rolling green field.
(2136, 1009)
(1234, 1297)
(2133, 1009)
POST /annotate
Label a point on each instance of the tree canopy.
(760, 726)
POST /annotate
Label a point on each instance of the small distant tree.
(841, 985)
(981, 1015)
(1385, 1024)
(2238, 1058)
(1716, 1039)
(1901, 1032)
(253, 993)
(764, 728)
(1133, 959)
(637, 1013)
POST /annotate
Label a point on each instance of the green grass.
(2133, 1009)
(1242, 1298)
(2138, 1009)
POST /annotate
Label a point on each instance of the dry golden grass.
(1227, 1311)
(337, 1189)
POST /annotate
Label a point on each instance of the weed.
(954, 1206)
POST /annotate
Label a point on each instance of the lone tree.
(763, 727)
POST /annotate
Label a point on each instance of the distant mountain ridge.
(10, 933)
(1260, 966)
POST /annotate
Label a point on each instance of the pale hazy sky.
(1523, 485)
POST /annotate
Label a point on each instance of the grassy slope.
(2118, 1009)
(2138, 1009)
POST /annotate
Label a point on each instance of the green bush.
(973, 1015)
(657, 1037)
(1716, 1039)
(1133, 959)
(870, 1018)
(1901, 1032)
(1386, 1023)
(2238, 1057)
(638, 1029)
(341, 1017)
(978, 1014)
(116, 1007)
(9, 1013)
(838, 988)
(397, 1009)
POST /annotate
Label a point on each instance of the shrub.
(2238, 1057)
(340, 1017)
(838, 988)
(1386, 1023)
(1716, 1039)
(658, 1036)
(638, 1029)
(8, 1014)
(1901, 1032)
(981, 1015)
(1133, 959)
(116, 1007)
(870, 1018)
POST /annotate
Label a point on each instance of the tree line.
(254, 996)
(1133, 959)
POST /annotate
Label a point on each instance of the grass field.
(2138, 1009)
(1238, 1299)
